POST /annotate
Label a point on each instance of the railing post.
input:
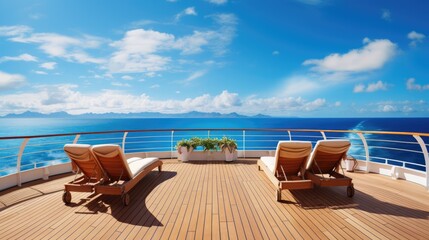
(76, 138)
(244, 143)
(208, 133)
(290, 135)
(18, 160)
(123, 141)
(323, 135)
(426, 157)
(171, 144)
(365, 145)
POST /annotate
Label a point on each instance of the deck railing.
(407, 150)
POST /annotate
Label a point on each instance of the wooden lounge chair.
(325, 162)
(122, 174)
(82, 157)
(286, 170)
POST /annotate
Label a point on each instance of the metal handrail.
(220, 129)
(175, 134)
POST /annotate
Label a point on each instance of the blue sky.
(308, 58)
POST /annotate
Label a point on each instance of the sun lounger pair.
(106, 170)
(296, 166)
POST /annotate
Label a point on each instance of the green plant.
(195, 142)
(185, 143)
(227, 143)
(209, 144)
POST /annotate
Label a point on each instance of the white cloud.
(58, 94)
(226, 100)
(225, 18)
(415, 38)
(223, 36)
(297, 85)
(127, 77)
(412, 85)
(195, 75)
(386, 15)
(8, 81)
(337, 104)
(387, 108)
(140, 49)
(218, 2)
(359, 88)
(136, 51)
(23, 57)
(119, 84)
(216, 40)
(193, 44)
(405, 107)
(276, 52)
(155, 86)
(190, 11)
(56, 98)
(372, 56)
(55, 45)
(48, 65)
(282, 105)
(372, 87)
(150, 74)
(41, 72)
(13, 31)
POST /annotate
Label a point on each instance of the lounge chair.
(286, 169)
(122, 173)
(325, 162)
(82, 157)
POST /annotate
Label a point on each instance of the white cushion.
(137, 165)
(133, 159)
(270, 162)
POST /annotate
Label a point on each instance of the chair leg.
(279, 195)
(350, 190)
(160, 168)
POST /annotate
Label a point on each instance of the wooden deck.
(217, 200)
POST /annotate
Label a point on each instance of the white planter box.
(208, 156)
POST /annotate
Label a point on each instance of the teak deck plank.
(218, 200)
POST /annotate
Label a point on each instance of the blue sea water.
(50, 149)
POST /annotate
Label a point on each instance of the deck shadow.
(335, 198)
(30, 190)
(136, 213)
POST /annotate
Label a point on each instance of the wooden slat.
(217, 200)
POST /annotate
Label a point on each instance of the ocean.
(44, 151)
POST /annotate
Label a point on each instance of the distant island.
(193, 114)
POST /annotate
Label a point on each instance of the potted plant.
(184, 147)
(209, 144)
(228, 146)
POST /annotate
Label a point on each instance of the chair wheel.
(350, 191)
(125, 199)
(67, 197)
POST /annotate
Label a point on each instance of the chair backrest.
(81, 155)
(292, 156)
(327, 155)
(113, 161)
